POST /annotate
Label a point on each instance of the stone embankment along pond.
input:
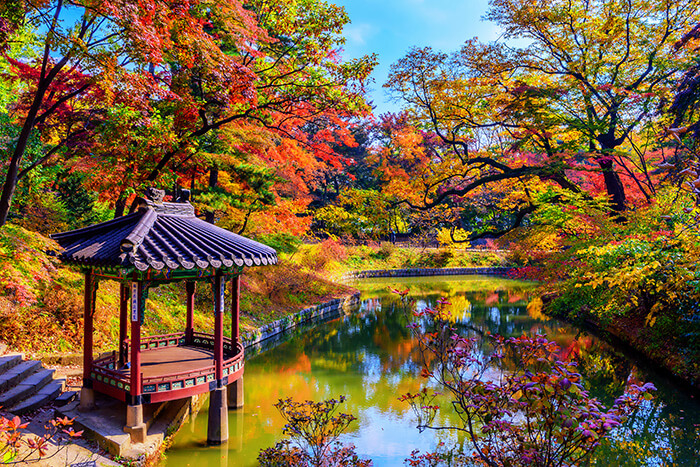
(253, 341)
(416, 272)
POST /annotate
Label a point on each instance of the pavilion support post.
(134, 411)
(123, 323)
(235, 394)
(217, 429)
(87, 393)
(235, 389)
(219, 288)
(189, 327)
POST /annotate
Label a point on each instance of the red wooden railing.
(179, 384)
(104, 370)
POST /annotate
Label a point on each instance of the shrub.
(318, 257)
(314, 428)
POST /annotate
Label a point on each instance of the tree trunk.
(10, 185)
(613, 184)
(8, 189)
(120, 205)
(209, 216)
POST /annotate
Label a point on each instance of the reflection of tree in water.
(654, 435)
(371, 357)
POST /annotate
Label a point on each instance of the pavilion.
(158, 243)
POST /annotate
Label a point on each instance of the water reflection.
(372, 358)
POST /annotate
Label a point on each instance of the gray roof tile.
(159, 236)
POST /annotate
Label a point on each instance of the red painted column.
(123, 322)
(219, 287)
(235, 309)
(189, 327)
(136, 312)
(88, 313)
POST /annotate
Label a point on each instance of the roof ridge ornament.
(155, 195)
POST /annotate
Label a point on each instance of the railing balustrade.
(105, 368)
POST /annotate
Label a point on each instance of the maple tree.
(139, 94)
(575, 107)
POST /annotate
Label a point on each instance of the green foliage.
(638, 278)
(313, 428)
(22, 46)
(282, 242)
(357, 214)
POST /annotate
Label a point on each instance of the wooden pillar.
(235, 389)
(87, 395)
(136, 312)
(189, 327)
(134, 410)
(88, 314)
(123, 323)
(235, 309)
(219, 289)
(217, 425)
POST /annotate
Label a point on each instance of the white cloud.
(358, 34)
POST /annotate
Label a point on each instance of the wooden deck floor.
(175, 359)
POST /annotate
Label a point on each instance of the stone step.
(17, 373)
(66, 397)
(26, 388)
(8, 361)
(45, 395)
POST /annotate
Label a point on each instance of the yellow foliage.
(534, 309)
(460, 237)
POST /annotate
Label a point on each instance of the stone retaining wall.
(253, 341)
(414, 272)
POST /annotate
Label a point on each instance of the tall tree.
(140, 85)
(92, 53)
(590, 75)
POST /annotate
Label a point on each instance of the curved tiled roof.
(161, 236)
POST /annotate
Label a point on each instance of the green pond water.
(371, 358)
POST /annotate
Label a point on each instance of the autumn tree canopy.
(162, 92)
(571, 93)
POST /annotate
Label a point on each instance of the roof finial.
(155, 195)
(184, 196)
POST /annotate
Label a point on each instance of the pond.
(371, 357)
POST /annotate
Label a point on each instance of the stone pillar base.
(134, 423)
(217, 429)
(235, 394)
(87, 399)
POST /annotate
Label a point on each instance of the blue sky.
(391, 27)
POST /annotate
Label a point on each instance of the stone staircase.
(25, 385)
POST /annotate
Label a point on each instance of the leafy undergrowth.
(638, 280)
(41, 301)
(332, 259)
